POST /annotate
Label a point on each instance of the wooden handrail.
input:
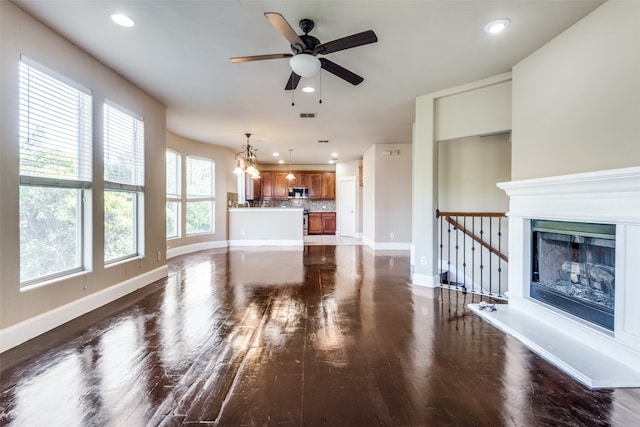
(447, 216)
(487, 214)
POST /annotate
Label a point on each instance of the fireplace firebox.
(573, 269)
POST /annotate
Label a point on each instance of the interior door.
(347, 206)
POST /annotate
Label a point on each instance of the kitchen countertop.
(264, 209)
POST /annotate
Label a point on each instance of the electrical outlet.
(423, 260)
(159, 256)
(392, 236)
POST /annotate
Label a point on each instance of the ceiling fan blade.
(285, 29)
(341, 72)
(294, 79)
(261, 57)
(348, 42)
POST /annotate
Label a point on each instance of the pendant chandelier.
(290, 176)
(247, 160)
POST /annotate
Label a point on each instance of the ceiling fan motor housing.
(310, 45)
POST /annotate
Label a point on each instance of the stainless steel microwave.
(298, 193)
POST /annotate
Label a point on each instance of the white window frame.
(45, 94)
(193, 197)
(175, 196)
(132, 185)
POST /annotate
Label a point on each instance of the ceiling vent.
(323, 141)
(307, 115)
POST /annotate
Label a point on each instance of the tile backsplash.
(311, 205)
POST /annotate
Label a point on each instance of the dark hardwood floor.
(331, 335)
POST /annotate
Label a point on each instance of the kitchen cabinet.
(267, 185)
(315, 185)
(322, 185)
(329, 185)
(280, 186)
(322, 223)
(301, 179)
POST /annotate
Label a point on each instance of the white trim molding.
(19, 333)
(187, 249)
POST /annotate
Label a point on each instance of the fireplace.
(574, 273)
(573, 269)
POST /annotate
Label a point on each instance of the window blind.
(123, 149)
(54, 129)
(200, 174)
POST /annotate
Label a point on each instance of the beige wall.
(480, 111)
(22, 35)
(387, 192)
(468, 170)
(576, 101)
(226, 182)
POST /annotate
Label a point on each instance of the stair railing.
(473, 252)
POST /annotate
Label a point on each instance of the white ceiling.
(179, 53)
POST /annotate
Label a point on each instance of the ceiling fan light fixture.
(305, 65)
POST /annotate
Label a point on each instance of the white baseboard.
(425, 280)
(391, 246)
(187, 249)
(19, 333)
(269, 242)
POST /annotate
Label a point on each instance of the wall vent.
(307, 115)
(323, 141)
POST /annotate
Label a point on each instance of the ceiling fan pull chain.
(292, 98)
(320, 91)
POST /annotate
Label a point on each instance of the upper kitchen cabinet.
(301, 179)
(315, 185)
(322, 185)
(267, 185)
(280, 186)
(329, 185)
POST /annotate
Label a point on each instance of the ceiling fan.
(306, 48)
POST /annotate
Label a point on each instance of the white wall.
(468, 170)
(20, 34)
(576, 101)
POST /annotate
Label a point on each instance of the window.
(55, 174)
(124, 184)
(200, 195)
(173, 194)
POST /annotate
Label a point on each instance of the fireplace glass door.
(573, 268)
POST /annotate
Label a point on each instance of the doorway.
(347, 206)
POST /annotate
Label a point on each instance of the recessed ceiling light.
(496, 26)
(276, 154)
(281, 161)
(334, 154)
(308, 89)
(122, 20)
(332, 161)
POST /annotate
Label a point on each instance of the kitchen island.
(265, 227)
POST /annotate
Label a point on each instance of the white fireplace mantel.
(594, 356)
